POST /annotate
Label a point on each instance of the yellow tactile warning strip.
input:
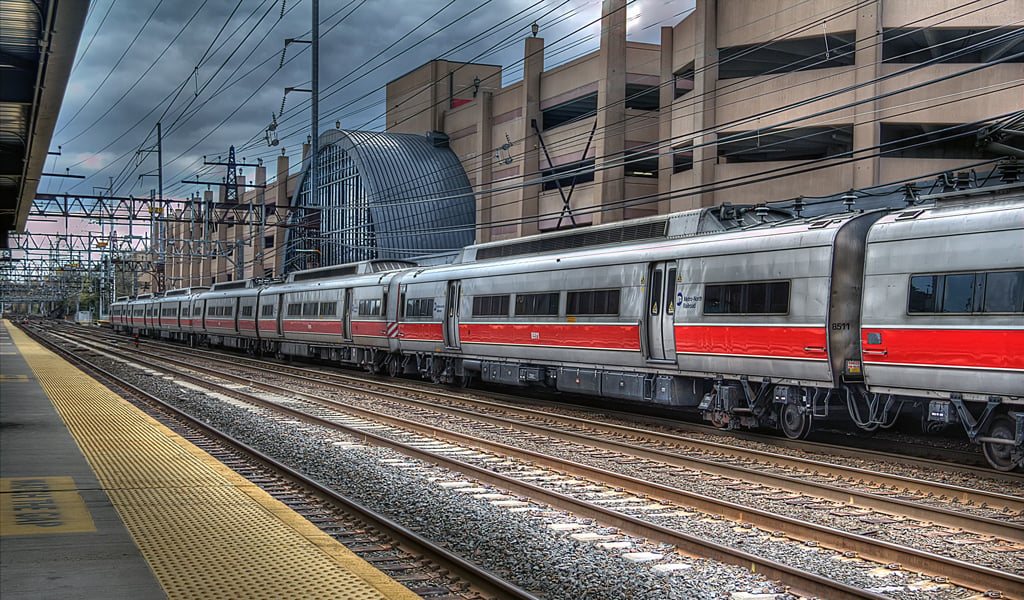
(205, 531)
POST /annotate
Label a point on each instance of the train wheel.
(1002, 457)
(393, 365)
(794, 422)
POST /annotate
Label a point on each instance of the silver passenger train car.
(771, 321)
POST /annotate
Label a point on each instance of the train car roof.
(771, 235)
(701, 221)
(357, 268)
(979, 209)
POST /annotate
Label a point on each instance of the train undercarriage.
(743, 403)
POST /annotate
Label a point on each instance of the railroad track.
(979, 578)
(906, 451)
(425, 567)
(751, 464)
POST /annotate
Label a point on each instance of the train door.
(661, 310)
(280, 314)
(451, 315)
(346, 315)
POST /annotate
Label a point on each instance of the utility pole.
(314, 196)
(299, 240)
(156, 211)
(160, 203)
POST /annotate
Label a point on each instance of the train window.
(958, 293)
(309, 309)
(490, 306)
(267, 310)
(761, 298)
(294, 310)
(670, 292)
(594, 302)
(328, 309)
(655, 292)
(1004, 292)
(369, 308)
(419, 307)
(247, 310)
(922, 293)
(723, 298)
(537, 304)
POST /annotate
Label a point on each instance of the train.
(753, 317)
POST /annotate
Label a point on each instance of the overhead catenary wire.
(831, 15)
(695, 102)
(662, 143)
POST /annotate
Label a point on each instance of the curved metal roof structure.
(385, 195)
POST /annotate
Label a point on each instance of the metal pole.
(160, 179)
(314, 198)
(161, 273)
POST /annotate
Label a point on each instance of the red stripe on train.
(741, 340)
(323, 327)
(421, 332)
(371, 328)
(979, 348)
(567, 335)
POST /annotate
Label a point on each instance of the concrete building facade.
(744, 101)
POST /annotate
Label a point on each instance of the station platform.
(98, 500)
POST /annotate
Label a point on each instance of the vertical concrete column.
(666, 96)
(484, 165)
(258, 222)
(175, 257)
(196, 246)
(238, 234)
(529, 201)
(220, 266)
(866, 132)
(206, 257)
(435, 95)
(281, 191)
(705, 82)
(610, 179)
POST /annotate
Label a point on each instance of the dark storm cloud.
(222, 103)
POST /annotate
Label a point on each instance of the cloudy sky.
(210, 72)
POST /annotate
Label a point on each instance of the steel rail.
(480, 578)
(974, 576)
(943, 516)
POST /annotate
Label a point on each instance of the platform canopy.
(38, 41)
